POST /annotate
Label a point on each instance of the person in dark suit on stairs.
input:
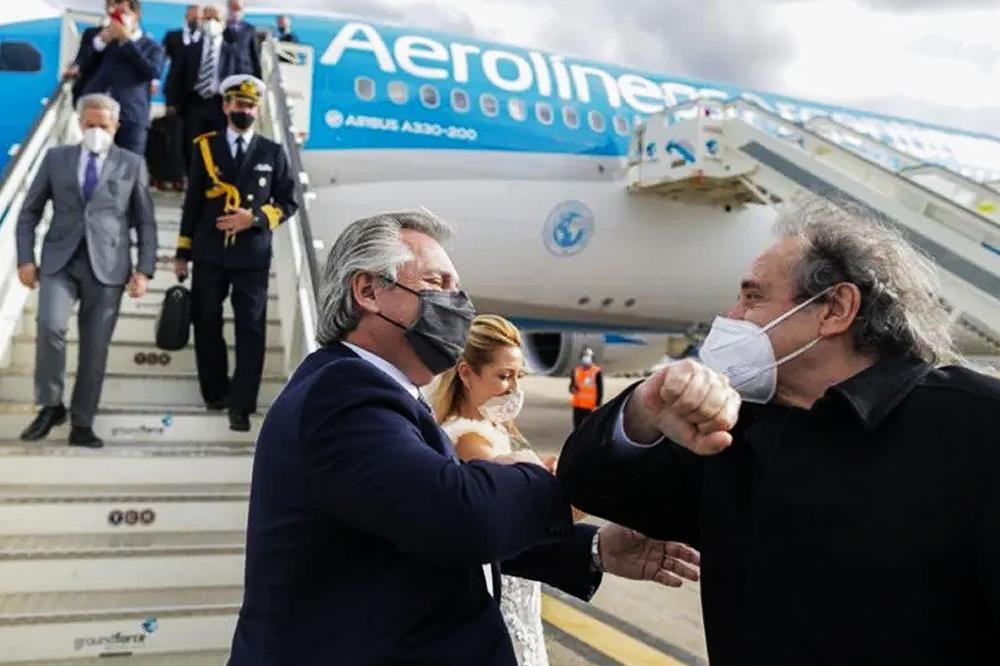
(122, 61)
(192, 89)
(99, 193)
(239, 190)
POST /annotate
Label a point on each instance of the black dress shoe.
(84, 436)
(47, 418)
(216, 405)
(239, 420)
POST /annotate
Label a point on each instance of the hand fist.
(137, 285)
(181, 268)
(28, 275)
(689, 403)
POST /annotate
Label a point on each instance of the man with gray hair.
(99, 194)
(366, 538)
(862, 461)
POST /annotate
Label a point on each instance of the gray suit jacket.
(121, 201)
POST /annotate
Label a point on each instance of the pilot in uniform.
(239, 191)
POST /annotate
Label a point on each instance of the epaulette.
(206, 135)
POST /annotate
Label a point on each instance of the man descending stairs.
(136, 548)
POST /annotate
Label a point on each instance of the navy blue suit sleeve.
(281, 204)
(368, 464)
(655, 490)
(194, 199)
(564, 564)
(145, 56)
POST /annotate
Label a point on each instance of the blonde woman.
(476, 403)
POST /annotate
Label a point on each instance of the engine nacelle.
(556, 354)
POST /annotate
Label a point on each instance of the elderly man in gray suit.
(98, 192)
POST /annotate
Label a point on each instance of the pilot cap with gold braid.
(242, 87)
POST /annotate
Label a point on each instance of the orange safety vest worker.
(585, 381)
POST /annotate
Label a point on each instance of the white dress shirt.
(81, 171)
(231, 136)
(189, 36)
(388, 368)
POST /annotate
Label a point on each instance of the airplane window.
(19, 57)
(488, 104)
(364, 88)
(596, 121)
(398, 92)
(459, 100)
(621, 125)
(544, 113)
(515, 107)
(429, 96)
(570, 117)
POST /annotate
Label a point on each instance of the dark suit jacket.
(120, 203)
(865, 530)
(86, 60)
(266, 188)
(123, 71)
(173, 43)
(366, 535)
(244, 38)
(184, 70)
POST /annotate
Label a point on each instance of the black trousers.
(579, 414)
(247, 291)
(132, 136)
(200, 115)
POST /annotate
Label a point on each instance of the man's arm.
(600, 388)
(282, 203)
(31, 212)
(142, 217)
(572, 382)
(653, 489)
(174, 90)
(194, 199)
(254, 47)
(145, 56)
(566, 564)
(368, 464)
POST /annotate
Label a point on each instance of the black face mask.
(438, 335)
(241, 119)
(193, 25)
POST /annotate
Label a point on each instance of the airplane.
(525, 153)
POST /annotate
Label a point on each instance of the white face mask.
(213, 27)
(503, 408)
(587, 360)
(97, 139)
(742, 351)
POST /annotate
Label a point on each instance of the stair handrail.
(305, 268)
(49, 129)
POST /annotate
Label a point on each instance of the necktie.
(205, 86)
(90, 177)
(240, 152)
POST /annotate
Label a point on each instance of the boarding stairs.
(135, 551)
(736, 153)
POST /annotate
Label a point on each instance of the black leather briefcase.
(173, 325)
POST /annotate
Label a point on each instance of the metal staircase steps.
(156, 390)
(185, 428)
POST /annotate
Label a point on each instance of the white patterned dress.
(520, 599)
